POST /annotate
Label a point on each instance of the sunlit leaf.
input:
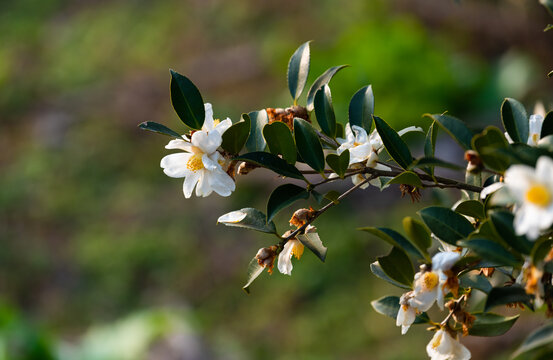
(280, 141)
(361, 108)
(298, 70)
(319, 82)
(248, 218)
(159, 128)
(313, 242)
(187, 101)
(515, 120)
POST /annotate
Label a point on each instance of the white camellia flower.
(293, 247)
(201, 165)
(431, 285)
(364, 149)
(533, 191)
(406, 314)
(535, 123)
(444, 347)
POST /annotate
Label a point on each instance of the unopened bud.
(474, 162)
(302, 216)
(266, 257)
(245, 168)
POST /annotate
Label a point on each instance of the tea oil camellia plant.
(496, 241)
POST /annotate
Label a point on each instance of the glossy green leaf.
(254, 270)
(547, 126)
(313, 243)
(540, 337)
(280, 141)
(507, 295)
(376, 269)
(308, 144)
(487, 143)
(502, 222)
(396, 239)
(446, 224)
(361, 108)
(187, 101)
(434, 162)
(515, 120)
(159, 128)
(429, 148)
(256, 141)
(284, 196)
(475, 281)
(393, 143)
(492, 251)
(271, 162)
(248, 218)
(333, 196)
(490, 324)
(472, 208)
(389, 306)
(319, 82)
(397, 266)
(234, 138)
(541, 249)
(340, 131)
(339, 163)
(417, 233)
(298, 70)
(408, 178)
(455, 128)
(325, 112)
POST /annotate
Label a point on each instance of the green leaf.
(339, 163)
(280, 141)
(475, 281)
(284, 196)
(430, 140)
(540, 337)
(298, 69)
(502, 222)
(325, 112)
(361, 108)
(159, 128)
(417, 233)
(187, 101)
(547, 126)
(393, 143)
(234, 138)
(472, 208)
(397, 266)
(508, 295)
(490, 324)
(313, 243)
(540, 250)
(455, 128)
(376, 269)
(254, 270)
(271, 162)
(515, 120)
(446, 224)
(319, 82)
(340, 131)
(309, 145)
(248, 218)
(396, 239)
(491, 251)
(548, 4)
(256, 142)
(333, 196)
(432, 162)
(473, 178)
(389, 306)
(406, 177)
(487, 143)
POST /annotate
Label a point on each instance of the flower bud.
(302, 216)
(266, 257)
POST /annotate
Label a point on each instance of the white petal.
(223, 126)
(174, 165)
(410, 129)
(508, 137)
(285, 258)
(208, 122)
(490, 189)
(189, 182)
(221, 183)
(360, 134)
(544, 170)
(209, 163)
(203, 189)
(518, 178)
(535, 124)
(405, 317)
(360, 153)
(443, 261)
(232, 217)
(528, 221)
(207, 142)
(179, 144)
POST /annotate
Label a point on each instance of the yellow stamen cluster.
(297, 250)
(429, 280)
(538, 195)
(195, 163)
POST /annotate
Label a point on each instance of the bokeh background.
(101, 256)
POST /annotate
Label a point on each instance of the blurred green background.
(102, 257)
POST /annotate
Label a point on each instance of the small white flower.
(431, 285)
(535, 123)
(533, 191)
(406, 314)
(293, 247)
(444, 347)
(201, 165)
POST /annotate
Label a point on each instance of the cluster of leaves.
(482, 229)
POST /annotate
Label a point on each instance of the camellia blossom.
(363, 150)
(293, 247)
(533, 191)
(535, 123)
(406, 314)
(444, 347)
(432, 285)
(201, 165)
